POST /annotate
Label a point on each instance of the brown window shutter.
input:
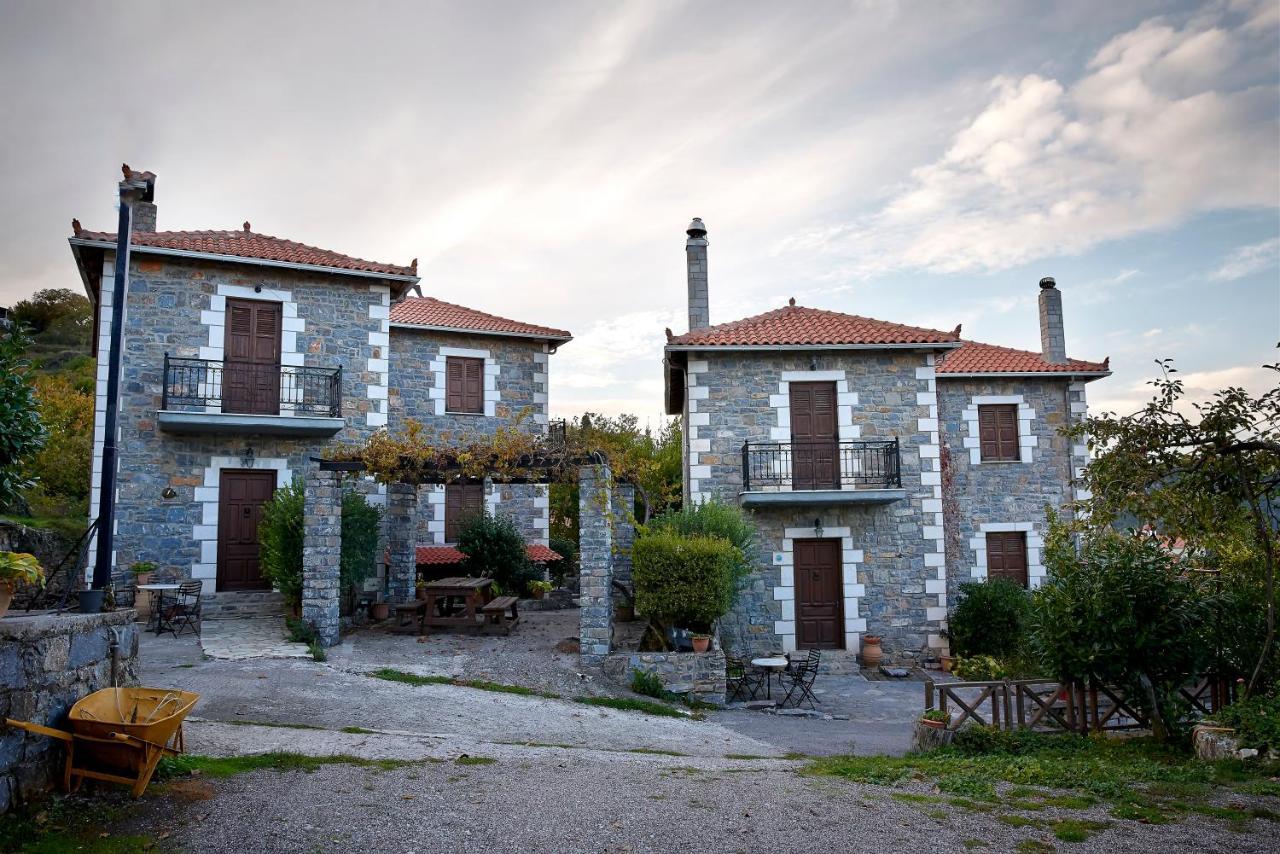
(998, 432)
(461, 502)
(475, 385)
(239, 341)
(1007, 556)
(454, 382)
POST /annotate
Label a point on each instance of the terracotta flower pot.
(871, 651)
(6, 596)
(420, 593)
(701, 643)
(933, 724)
(537, 593)
(379, 611)
(946, 663)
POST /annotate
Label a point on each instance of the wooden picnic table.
(442, 607)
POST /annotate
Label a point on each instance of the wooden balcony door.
(819, 595)
(815, 448)
(241, 495)
(251, 367)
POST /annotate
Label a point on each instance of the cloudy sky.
(920, 162)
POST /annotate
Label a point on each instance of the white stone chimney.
(1053, 340)
(695, 250)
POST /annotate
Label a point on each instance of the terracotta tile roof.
(250, 244)
(448, 555)
(975, 358)
(797, 325)
(429, 311)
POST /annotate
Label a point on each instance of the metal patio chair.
(181, 611)
(741, 679)
(798, 679)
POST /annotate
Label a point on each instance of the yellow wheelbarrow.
(120, 735)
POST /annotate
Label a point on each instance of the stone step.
(838, 662)
(247, 603)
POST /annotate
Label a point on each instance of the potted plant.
(379, 611)
(871, 651)
(701, 642)
(539, 588)
(946, 663)
(15, 568)
(142, 571)
(935, 719)
(420, 589)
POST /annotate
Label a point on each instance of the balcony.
(205, 396)
(851, 471)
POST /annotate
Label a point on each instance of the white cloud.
(1159, 128)
(1247, 260)
(1198, 387)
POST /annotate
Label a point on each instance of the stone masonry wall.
(177, 305)
(595, 560)
(1003, 495)
(47, 663)
(891, 553)
(516, 383)
(322, 554)
(701, 675)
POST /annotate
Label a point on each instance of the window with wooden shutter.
(1007, 556)
(464, 385)
(461, 502)
(998, 432)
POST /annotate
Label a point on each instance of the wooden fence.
(1049, 705)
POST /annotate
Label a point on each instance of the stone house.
(246, 356)
(883, 464)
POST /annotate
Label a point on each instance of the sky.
(925, 163)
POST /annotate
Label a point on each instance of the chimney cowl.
(696, 228)
(1048, 282)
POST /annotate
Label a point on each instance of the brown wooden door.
(819, 595)
(241, 495)
(814, 437)
(1007, 556)
(251, 368)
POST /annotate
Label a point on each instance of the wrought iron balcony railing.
(246, 388)
(846, 464)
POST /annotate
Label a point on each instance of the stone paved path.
(249, 637)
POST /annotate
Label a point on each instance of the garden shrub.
(568, 564)
(495, 548)
(280, 534)
(990, 619)
(648, 684)
(1255, 720)
(712, 518)
(685, 581)
(1122, 611)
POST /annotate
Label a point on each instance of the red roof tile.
(429, 311)
(249, 244)
(797, 325)
(975, 358)
(448, 555)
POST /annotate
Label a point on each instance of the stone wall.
(515, 382)
(49, 547)
(624, 532)
(322, 554)
(892, 553)
(700, 675)
(982, 496)
(47, 663)
(595, 560)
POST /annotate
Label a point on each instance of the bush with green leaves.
(568, 563)
(1256, 721)
(493, 547)
(712, 518)
(21, 432)
(280, 535)
(990, 618)
(1121, 609)
(684, 581)
(648, 684)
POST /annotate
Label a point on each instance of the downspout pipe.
(133, 188)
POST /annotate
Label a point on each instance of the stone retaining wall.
(47, 663)
(701, 675)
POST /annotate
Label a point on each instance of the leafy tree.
(21, 433)
(61, 323)
(1121, 609)
(990, 619)
(360, 524)
(1208, 474)
(495, 548)
(684, 581)
(61, 468)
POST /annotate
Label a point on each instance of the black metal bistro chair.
(182, 610)
(798, 679)
(741, 679)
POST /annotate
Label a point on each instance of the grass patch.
(655, 751)
(392, 675)
(1075, 830)
(1033, 846)
(649, 707)
(229, 766)
(913, 798)
(475, 760)
(1017, 820)
(276, 724)
(58, 825)
(971, 844)
(186, 666)
(1142, 780)
(357, 730)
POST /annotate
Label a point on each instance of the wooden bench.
(408, 615)
(496, 612)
